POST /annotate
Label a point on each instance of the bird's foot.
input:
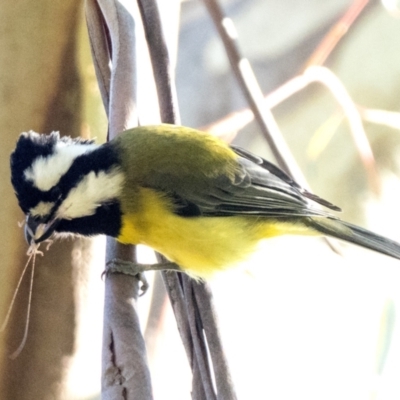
(138, 270)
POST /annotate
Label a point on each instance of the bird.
(203, 204)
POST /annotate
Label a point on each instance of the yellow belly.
(199, 245)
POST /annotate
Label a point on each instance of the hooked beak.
(36, 231)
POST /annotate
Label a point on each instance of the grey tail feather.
(355, 234)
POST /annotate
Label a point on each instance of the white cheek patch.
(46, 172)
(92, 191)
(41, 209)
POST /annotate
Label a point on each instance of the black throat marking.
(106, 221)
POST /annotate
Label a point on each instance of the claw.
(138, 270)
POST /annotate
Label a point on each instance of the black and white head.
(66, 185)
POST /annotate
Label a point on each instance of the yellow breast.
(199, 245)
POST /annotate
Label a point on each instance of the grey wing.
(251, 186)
(258, 188)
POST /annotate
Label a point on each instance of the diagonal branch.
(252, 91)
(336, 33)
(163, 75)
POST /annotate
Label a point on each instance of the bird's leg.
(138, 269)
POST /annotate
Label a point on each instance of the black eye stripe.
(29, 197)
(101, 159)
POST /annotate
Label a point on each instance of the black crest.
(30, 146)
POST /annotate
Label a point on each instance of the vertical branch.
(125, 370)
(112, 35)
(187, 298)
(163, 74)
(203, 296)
(202, 382)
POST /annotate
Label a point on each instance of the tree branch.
(112, 35)
(186, 296)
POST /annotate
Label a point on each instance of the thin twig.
(203, 374)
(160, 61)
(260, 109)
(336, 33)
(380, 117)
(329, 79)
(207, 312)
(252, 91)
(352, 112)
